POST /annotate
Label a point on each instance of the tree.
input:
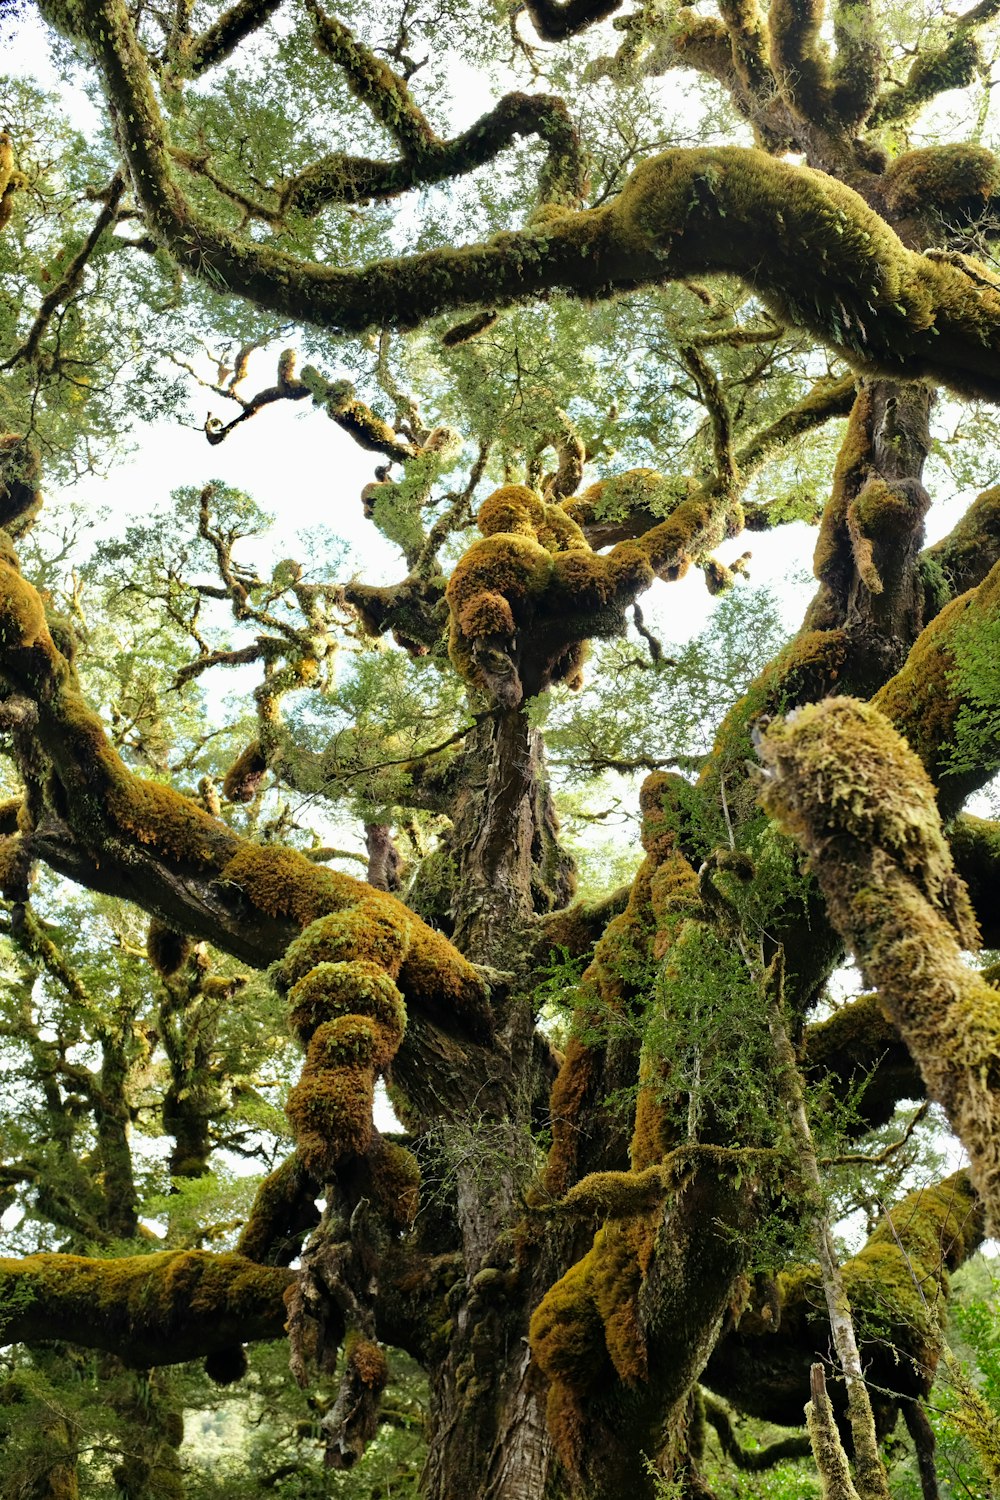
(620, 1116)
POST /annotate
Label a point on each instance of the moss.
(330, 1111)
(958, 180)
(283, 1209)
(329, 990)
(534, 567)
(375, 928)
(566, 1332)
(895, 1286)
(925, 699)
(149, 1309)
(859, 801)
(934, 70)
(880, 521)
(368, 1362)
(394, 1183)
(839, 765)
(283, 883)
(588, 1327)
(969, 551)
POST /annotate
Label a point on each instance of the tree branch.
(811, 246)
(857, 799)
(146, 1309)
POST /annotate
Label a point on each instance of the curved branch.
(69, 282)
(858, 1052)
(811, 246)
(339, 178)
(196, 55)
(857, 799)
(751, 1460)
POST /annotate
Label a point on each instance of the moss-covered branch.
(859, 802)
(68, 284)
(194, 55)
(932, 700)
(896, 1284)
(823, 259)
(146, 1309)
(970, 549)
(857, 1054)
(750, 1460)
(339, 178)
(975, 848)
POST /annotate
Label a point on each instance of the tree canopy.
(455, 813)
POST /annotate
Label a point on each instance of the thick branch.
(858, 1054)
(146, 1309)
(932, 700)
(219, 41)
(895, 1284)
(811, 246)
(859, 802)
(975, 848)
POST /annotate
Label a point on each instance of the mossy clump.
(330, 1108)
(375, 928)
(880, 520)
(331, 990)
(926, 700)
(838, 765)
(860, 803)
(283, 883)
(533, 591)
(588, 1329)
(958, 181)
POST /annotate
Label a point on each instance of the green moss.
(895, 1285)
(329, 990)
(860, 803)
(926, 699)
(967, 553)
(839, 765)
(958, 181)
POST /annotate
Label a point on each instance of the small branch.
(69, 282)
(828, 1450)
(751, 1460)
(859, 1158)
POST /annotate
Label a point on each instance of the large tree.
(617, 1114)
